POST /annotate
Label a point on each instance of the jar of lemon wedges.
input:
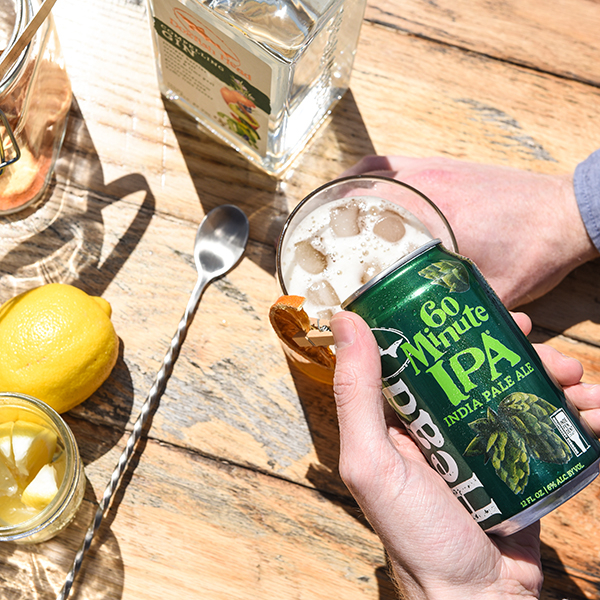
(41, 474)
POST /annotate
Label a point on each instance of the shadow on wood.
(558, 584)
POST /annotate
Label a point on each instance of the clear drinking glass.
(389, 189)
(35, 97)
(62, 508)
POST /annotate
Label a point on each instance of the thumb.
(357, 385)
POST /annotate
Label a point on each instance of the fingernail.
(569, 358)
(344, 332)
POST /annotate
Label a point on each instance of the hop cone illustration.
(450, 274)
(521, 429)
(504, 447)
(530, 416)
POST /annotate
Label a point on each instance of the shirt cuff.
(586, 182)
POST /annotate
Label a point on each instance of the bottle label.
(218, 77)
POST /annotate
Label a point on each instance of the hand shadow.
(558, 584)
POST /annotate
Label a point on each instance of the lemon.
(57, 344)
(44, 486)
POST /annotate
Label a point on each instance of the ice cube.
(322, 293)
(390, 226)
(325, 314)
(369, 271)
(309, 258)
(344, 220)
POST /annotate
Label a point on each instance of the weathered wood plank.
(571, 547)
(440, 100)
(559, 36)
(243, 453)
(200, 528)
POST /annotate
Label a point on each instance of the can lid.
(406, 258)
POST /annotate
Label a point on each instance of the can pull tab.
(9, 149)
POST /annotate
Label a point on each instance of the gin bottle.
(260, 75)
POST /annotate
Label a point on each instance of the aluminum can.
(472, 391)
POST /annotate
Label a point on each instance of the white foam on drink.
(343, 244)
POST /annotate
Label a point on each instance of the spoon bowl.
(220, 241)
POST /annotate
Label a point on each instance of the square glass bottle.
(261, 75)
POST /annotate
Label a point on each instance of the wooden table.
(234, 491)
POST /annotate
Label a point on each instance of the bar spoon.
(220, 243)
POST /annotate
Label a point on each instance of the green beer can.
(472, 391)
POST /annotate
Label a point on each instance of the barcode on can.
(569, 433)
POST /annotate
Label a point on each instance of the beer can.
(472, 391)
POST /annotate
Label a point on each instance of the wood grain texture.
(559, 36)
(234, 491)
(204, 528)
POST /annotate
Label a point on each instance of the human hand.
(522, 229)
(436, 550)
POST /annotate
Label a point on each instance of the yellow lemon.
(57, 344)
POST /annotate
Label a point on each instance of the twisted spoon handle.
(153, 395)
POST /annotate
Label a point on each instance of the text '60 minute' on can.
(472, 390)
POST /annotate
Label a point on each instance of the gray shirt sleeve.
(587, 191)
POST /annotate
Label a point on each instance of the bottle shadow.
(221, 175)
(63, 239)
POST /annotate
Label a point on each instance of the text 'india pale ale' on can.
(472, 390)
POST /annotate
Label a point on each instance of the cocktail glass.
(389, 189)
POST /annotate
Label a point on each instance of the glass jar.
(62, 508)
(35, 97)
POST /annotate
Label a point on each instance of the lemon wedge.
(40, 492)
(6, 431)
(14, 512)
(33, 447)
